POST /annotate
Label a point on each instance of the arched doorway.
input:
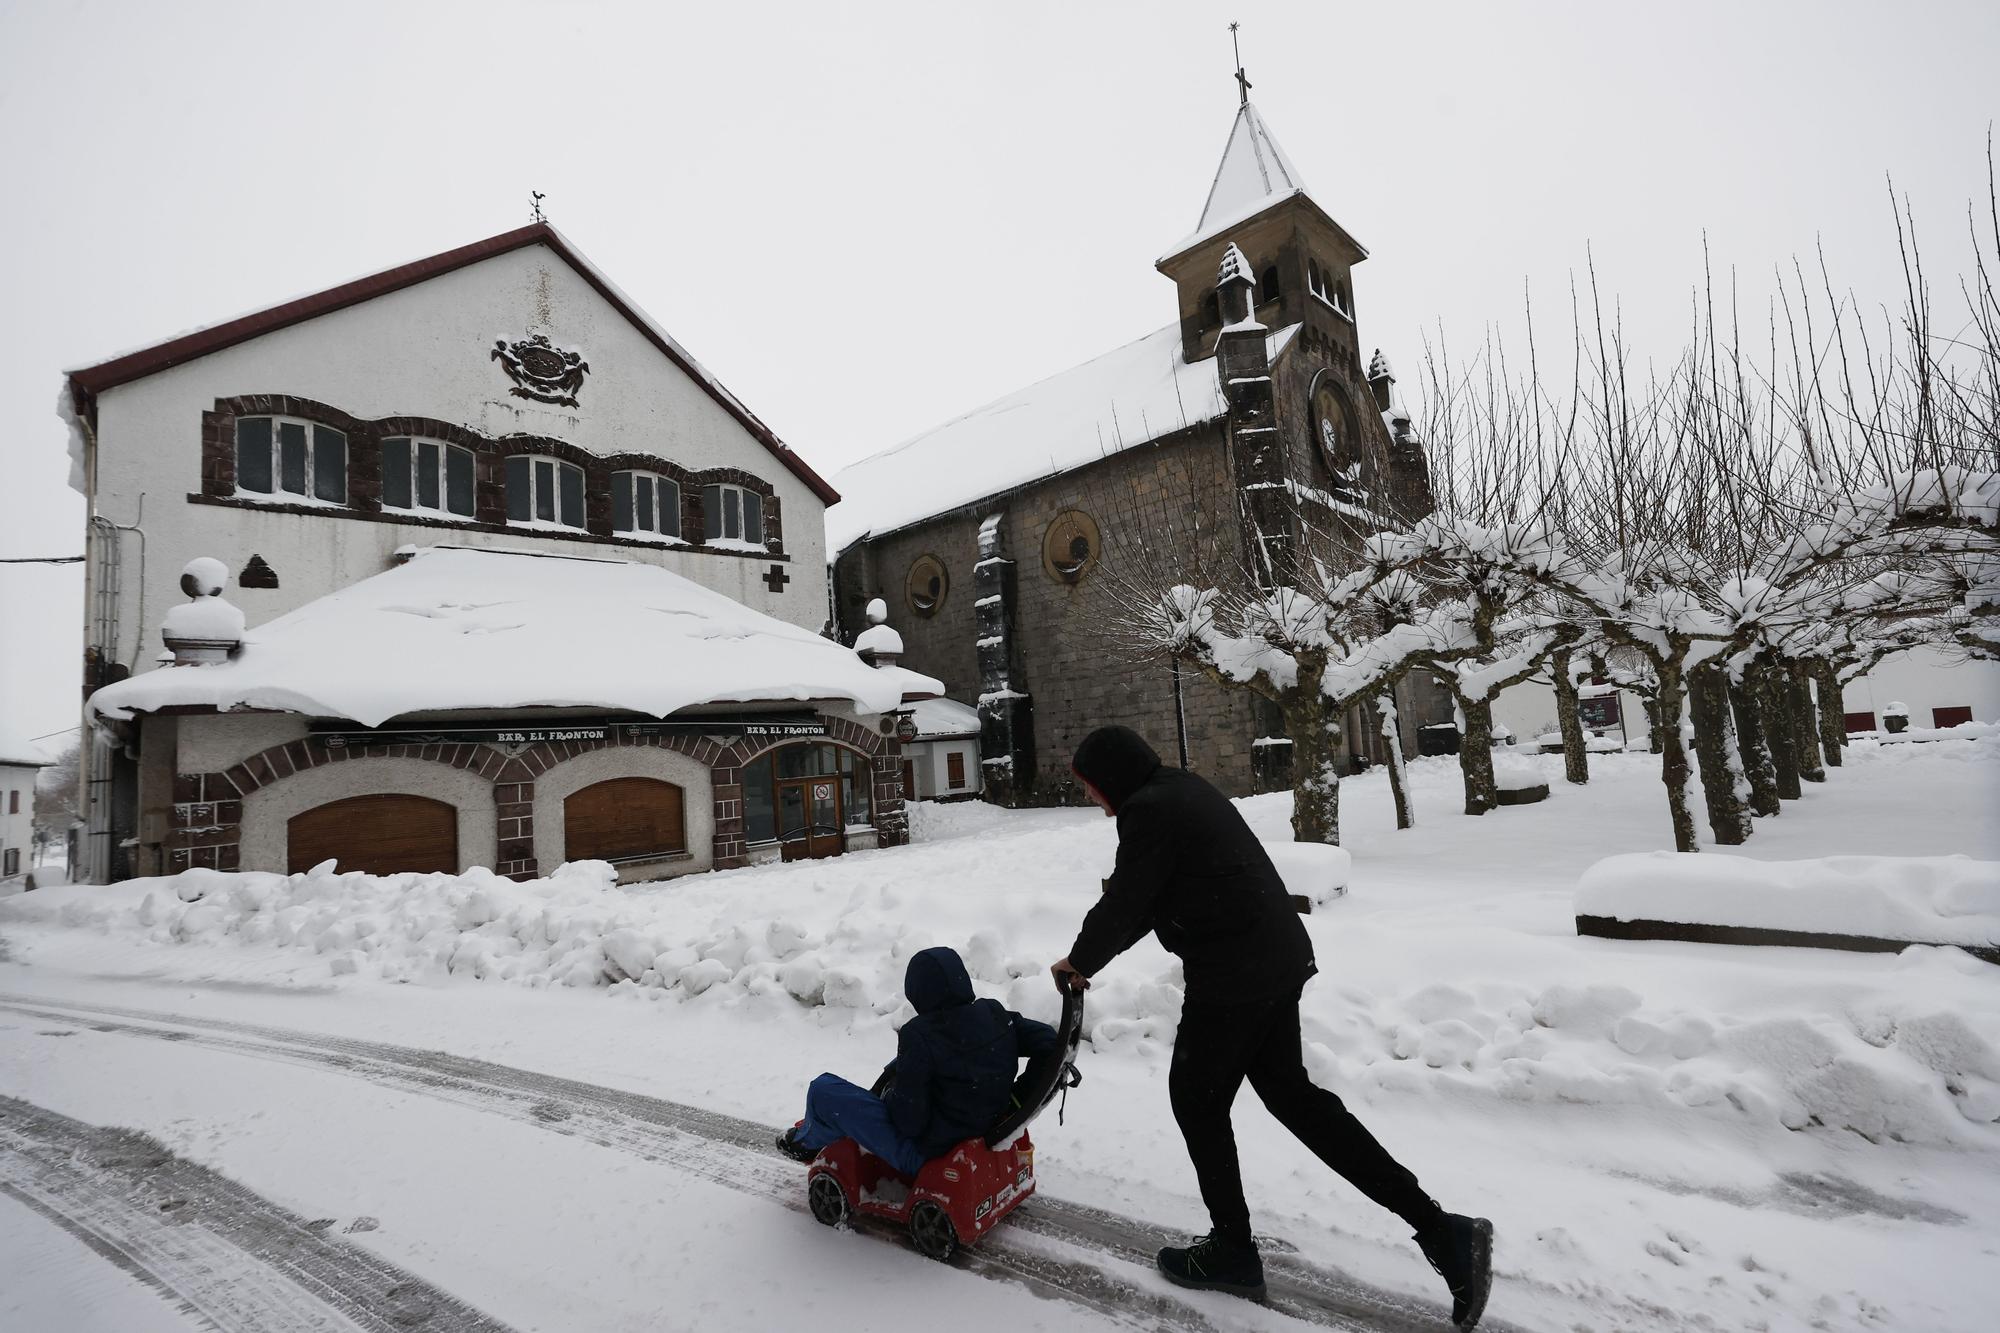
(624, 819)
(805, 797)
(383, 835)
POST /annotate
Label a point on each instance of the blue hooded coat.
(957, 1059)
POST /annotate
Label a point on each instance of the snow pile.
(1311, 870)
(1928, 899)
(502, 629)
(1901, 1064)
(1964, 731)
(1517, 775)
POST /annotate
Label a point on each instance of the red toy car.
(959, 1197)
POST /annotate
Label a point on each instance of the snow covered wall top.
(1929, 899)
(461, 628)
(1124, 398)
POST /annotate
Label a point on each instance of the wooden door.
(383, 835)
(625, 819)
(809, 818)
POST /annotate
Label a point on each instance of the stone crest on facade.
(545, 373)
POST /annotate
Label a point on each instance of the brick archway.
(207, 823)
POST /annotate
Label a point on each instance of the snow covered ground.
(1666, 1135)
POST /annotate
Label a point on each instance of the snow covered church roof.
(1253, 176)
(1120, 400)
(464, 628)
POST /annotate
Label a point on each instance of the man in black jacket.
(1191, 871)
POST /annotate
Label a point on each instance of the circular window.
(1070, 546)
(1341, 447)
(927, 585)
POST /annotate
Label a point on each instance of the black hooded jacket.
(1191, 871)
(956, 1060)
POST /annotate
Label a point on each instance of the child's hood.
(936, 979)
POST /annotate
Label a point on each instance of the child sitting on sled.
(952, 1078)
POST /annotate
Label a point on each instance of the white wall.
(1923, 679)
(934, 770)
(425, 351)
(17, 829)
(558, 784)
(1529, 709)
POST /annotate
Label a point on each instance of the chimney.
(878, 645)
(208, 628)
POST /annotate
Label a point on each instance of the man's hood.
(936, 979)
(1117, 761)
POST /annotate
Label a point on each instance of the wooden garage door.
(623, 819)
(379, 834)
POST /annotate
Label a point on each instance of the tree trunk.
(1805, 725)
(1775, 709)
(1576, 759)
(1756, 751)
(1723, 785)
(1674, 769)
(1399, 776)
(1651, 704)
(1475, 756)
(1317, 754)
(1832, 717)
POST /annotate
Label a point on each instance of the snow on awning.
(462, 628)
(1125, 398)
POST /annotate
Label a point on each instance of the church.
(1014, 540)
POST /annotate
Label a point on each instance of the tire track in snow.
(230, 1259)
(737, 1153)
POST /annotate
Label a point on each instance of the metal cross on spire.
(1242, 79)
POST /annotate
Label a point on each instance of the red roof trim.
(87, 383)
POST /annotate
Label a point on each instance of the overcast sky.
(866, 219)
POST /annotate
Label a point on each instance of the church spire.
(1254, 170)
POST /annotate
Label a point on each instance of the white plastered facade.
(426, 351)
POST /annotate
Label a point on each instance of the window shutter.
(621, 502)
(572, 494)
(670, 507)
(396, 472)
(458, 480)
(253, 454)
(519, 507)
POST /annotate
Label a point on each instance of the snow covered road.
(1054, 1248)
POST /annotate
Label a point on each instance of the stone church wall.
(1071, 660)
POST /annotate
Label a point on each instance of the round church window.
(1070, 546)
(927, 585)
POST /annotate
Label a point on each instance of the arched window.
(544, 491)
(1211, 311)
(732, 516)
(645, 504)
(805, 796)
(282, 457)
(1342, 301)
(1313, 282)
(1267, 285)
(427, 477)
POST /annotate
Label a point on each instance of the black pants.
(1221, 1045)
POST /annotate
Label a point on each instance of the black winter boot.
(1461, 1249)
(789, 1145)
(1215, 1263)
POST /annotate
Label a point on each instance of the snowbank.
(1925, 899)
(1311, 870)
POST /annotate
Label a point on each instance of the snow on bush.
(1930, 899)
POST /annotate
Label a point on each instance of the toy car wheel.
(932, 1231)
(827, 1200)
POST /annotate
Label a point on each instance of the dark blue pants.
(837, 1109)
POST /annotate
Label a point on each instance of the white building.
(500, 397)
(20, 763)
(941, 760)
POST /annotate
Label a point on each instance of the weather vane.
(537, 196)
(1242, 79)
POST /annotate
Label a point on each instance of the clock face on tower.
(1340, 446)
